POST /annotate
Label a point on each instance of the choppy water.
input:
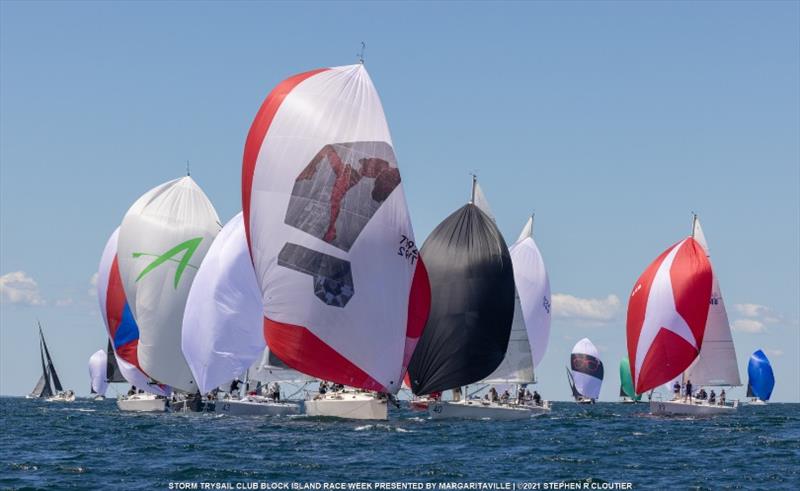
(92, 445)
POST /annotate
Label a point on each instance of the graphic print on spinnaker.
(339, 191)
(333, 283)
(188, 248)
(587, 364)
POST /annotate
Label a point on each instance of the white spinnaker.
(133, 375)
(174, 219)
(716, 363)
(533, 287)
(338, 105)
(222, 324)
(587, 385)
(97, 371)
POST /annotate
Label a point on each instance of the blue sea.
(91, 445)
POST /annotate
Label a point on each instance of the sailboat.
(222, 332)
(585, 373)
(472, 310)
(123, 336)
(49, 385)
(163, 238)
(677, 326)
(345, 295)
(98, 363)
(761, 379)
(626, 392)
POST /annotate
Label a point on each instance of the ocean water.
(91, 445)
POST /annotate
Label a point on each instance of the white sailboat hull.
(142, 403)
(756, 402)
(695, 408)
(62, 397)
(256, 407)
(348, 405)
(481, 410)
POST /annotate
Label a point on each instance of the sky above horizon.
(612, 120)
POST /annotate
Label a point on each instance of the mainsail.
(162, 241)
(716, 364)
(51, 369)
(122, 330)
(472, 303)
(761, 378)
(586, 369)
(222, 332)
(113, 373)
(42, 388)
(667, 313)
(97, 372)
(530, 328)
(345, 293)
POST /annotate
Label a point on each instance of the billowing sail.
(345, 293)
(626, 382)
(472, 303)
(716, 364)
(222, 325)
(586, 369)
(533, 286)
(97, 372)
(120, 325)
(162, 241)
(667, 312)
(761, 379)
(51, 369)
(113, 373)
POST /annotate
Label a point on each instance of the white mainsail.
(716, 364)
(269, 369)
(97, 371)
(530, 329)
(162, 241)
(223, 330)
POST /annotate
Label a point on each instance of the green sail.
(626, 381)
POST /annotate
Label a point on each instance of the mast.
(474, 183)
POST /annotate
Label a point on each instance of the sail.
(51, 369)
(667, 313)
(626, 382)
(97, 372)
(113, 373)
(345, 293)
(517, 364)
(716, 364)
(480, 200)
(42, 388)
(472, 303)
(586, 368)
(222, 325)
(750, 392)
(575, 393)
(761, 379)
(533, 286)
(123, 333)
(268, 368)
(162, 241)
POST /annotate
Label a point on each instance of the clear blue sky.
(611, 120)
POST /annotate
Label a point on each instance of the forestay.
(162, 241)
(345, 293)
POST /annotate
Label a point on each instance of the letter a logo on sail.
(187, 248)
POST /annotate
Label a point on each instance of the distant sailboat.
(345, 294)
(49, 385)
(626, 392)
(98, 363)
(585, 373)
(472, 310)
(761, 379)
(674, 305)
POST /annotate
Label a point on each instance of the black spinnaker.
(472, 303)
